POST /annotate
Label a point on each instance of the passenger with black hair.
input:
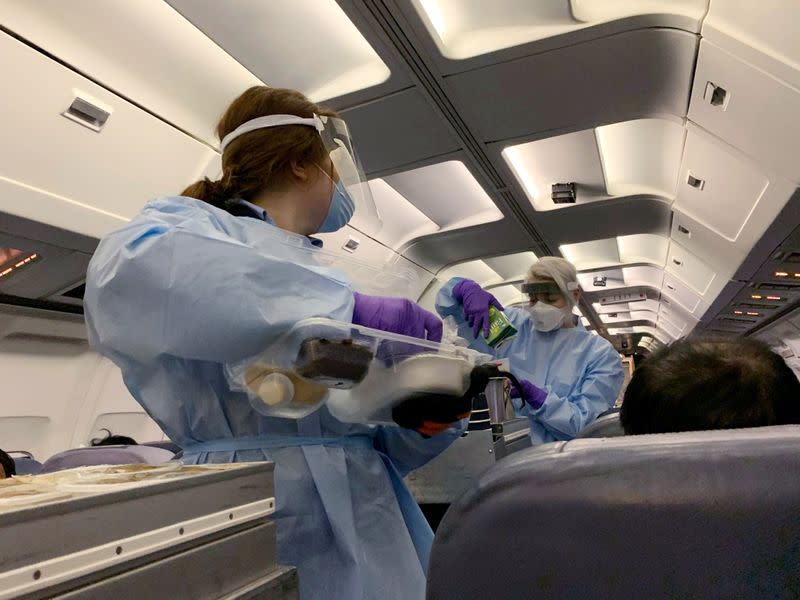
(115, 440)
(7, 466)
(698, 384)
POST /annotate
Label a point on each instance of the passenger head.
(272, 160)
(696, 384)
(552, 283)
(7, 465)
(114, 440)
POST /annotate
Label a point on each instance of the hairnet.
(559, 270)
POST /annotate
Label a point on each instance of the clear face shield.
(338, 143)
(336, 138)
(547, 292)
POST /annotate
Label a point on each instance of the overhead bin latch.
(716, 95)
(87, 112)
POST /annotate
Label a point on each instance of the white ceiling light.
(477, 270)
(436, 198)
(335, 58)
(402, 221)
(447, 194)
(641, 156)
(512, 266)
(492, 273)
(629, 249)
(465, 28)
(508, 295)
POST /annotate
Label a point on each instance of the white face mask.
(546, 317)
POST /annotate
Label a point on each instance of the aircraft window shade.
(26, 432)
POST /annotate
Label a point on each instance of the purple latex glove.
(534, 395)
(476, 303)
(396, 315)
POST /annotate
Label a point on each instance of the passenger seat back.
(607, 425)
(710, 514)
(106, 455)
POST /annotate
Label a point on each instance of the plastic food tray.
(367, 370)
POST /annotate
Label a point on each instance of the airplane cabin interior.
(654, 144)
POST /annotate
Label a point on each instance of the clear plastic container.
(361, 373)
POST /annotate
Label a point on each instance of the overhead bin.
(672, 330)
(675, 291)
(186, 68)
(748, 108)
(690, 269)
(754, 32)
(731, 198)
(587, 83)
(106, 156)
(650, 276)
(144, 49)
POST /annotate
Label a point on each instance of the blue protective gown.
(185, 288)
(581, 373)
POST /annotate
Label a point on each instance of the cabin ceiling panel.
(398, 130)
(336, 60)
(580, 86)
(601, 220)
(463, 29)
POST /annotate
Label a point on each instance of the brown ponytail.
(261, 159)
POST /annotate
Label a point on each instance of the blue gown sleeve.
(448, 306)
(408, 450)
(600, 385)
(192, 291)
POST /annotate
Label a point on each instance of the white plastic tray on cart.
(366, 371)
